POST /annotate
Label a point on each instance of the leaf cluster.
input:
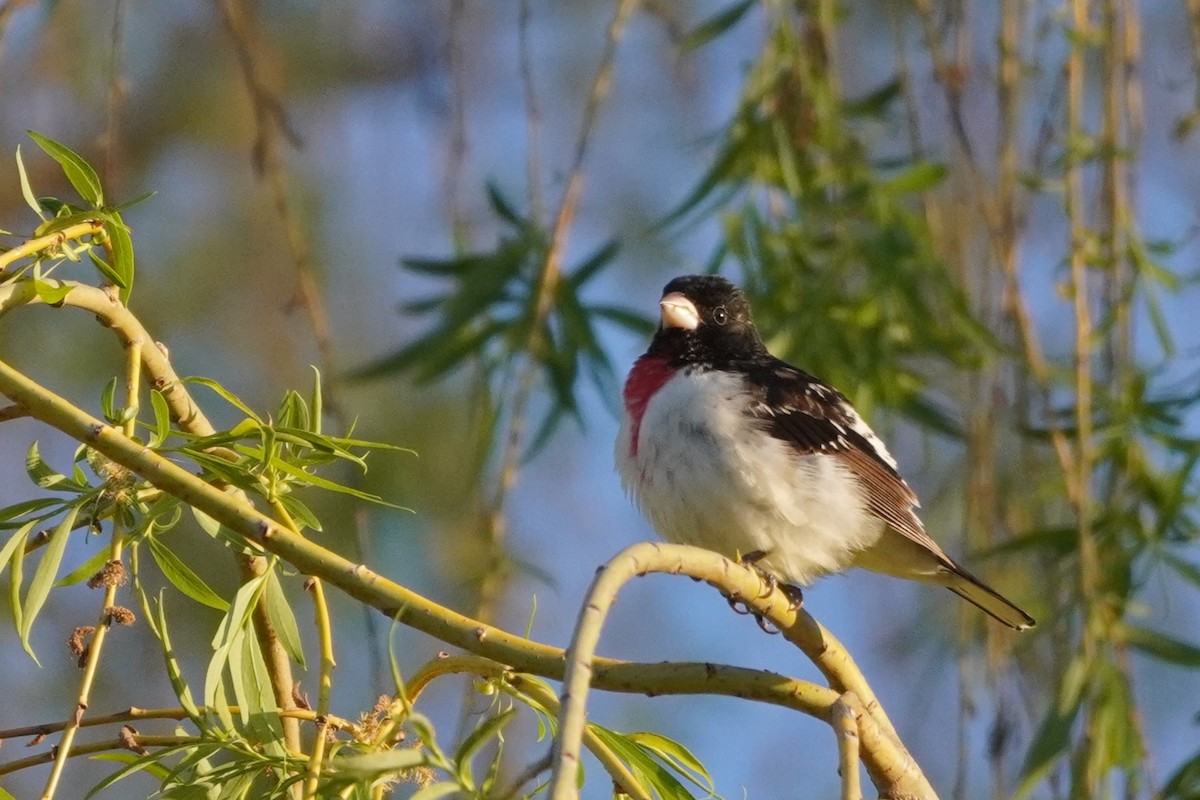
(110, 250)
(835, 255)
(502, 309)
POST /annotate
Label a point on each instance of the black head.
(706, 320)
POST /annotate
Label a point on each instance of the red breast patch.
(648, 375)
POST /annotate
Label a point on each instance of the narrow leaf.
(181, 576)
(78, 171)
(27, 190)
(715, 25)
(44, 575)
(484, 732)
(122, 253)
(162, 419)
(1163, 646)
(52, 293)
(283, 619)
(85, 570)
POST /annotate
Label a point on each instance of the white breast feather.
(700, 479)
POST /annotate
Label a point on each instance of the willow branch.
(177, 713)
(325, 636)
(90, 748)
(414, 610)
(51, 242)
(113, 314)
(109, 603)
(891, 768)
(492, 670)
(845, 726)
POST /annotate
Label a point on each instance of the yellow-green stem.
(325, 638)
(92, 663)
(91, 227)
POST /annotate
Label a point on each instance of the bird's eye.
(720, 315)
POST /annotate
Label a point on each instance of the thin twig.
(845, 727)
(98, 747)
(456, 161)
(12, 412)
(533, 112)
(133, 372)
(530, 772)
(325, 637)
(50, 242)
(271, 126)
(116, 94)
(495, 526)
(177, 713)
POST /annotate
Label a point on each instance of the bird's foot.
(793, 593)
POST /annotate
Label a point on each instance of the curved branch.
(395, 601)
(886, 761)
(892, 769)
(112, 313)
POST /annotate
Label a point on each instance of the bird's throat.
(648, 375)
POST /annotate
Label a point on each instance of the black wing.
(813, 417)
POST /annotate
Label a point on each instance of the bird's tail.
(975, 591)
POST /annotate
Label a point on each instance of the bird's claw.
(737, 604)
(793, 593)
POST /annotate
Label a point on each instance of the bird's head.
(705, 319)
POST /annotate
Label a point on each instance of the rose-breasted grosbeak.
(724, 446)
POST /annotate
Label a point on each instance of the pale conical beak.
(679, 312)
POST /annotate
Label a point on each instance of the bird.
(723, 446)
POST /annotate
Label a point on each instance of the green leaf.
(677, 757)
(27, 190)
(174, 670)
(162, 419)
(121, 242)
(503, 208)
(227, 650)
(319, 482)
(653, 775)
(484, 732)
(15, 546)
(301, 514)
(283, 619)
(1184, 784)
(182, 577)
(227, 395)
(108, 401)
(256, 681)
(591, 265)
(44, 575)
(85, 570)
(40, 473)
(715, 25)
(9, 513)
(1163, 646)
(372, 764)
(1054, 734)
(51, 293)
(916, 178)
(206, 523)
(78, 171)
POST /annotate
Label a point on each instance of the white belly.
(699, 482)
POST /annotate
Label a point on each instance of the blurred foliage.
(504, 309)
(838, 261)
